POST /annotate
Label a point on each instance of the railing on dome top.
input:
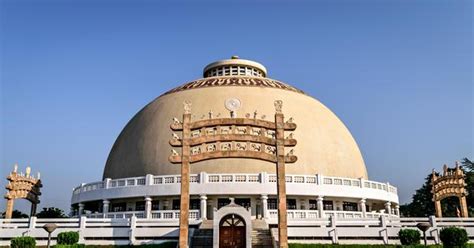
(235, 178)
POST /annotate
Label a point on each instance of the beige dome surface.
(325, 146)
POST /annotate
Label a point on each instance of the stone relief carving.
(256, 131)
(290, 153)
(256, 147)
(278, 106)
(195, 150)
(195, 133)
(174, 152)
(271, 150)
(226, 130)
(187, 107)
(241, 146)
(175, 136)
(176, 121)
(241, 130)
(225, 147)
(271, 134)
(211, 147)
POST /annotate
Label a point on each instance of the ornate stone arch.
(450, 183)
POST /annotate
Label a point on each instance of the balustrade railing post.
(149, 179)
(203, 177)
(107, 183)
(319, 179)
(82, 229)
(263, 177)
(133, 225)
(384, 231)
(332, 220)
(434, 229)
(31, 224)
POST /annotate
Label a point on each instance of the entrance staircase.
(261, 235)
(202, 237)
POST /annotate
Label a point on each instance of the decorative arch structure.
(233, 137)
(450, 183)
(22, 186)
(232, 214)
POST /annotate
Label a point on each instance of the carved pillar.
(210, 204)
(184, 204)
(105, 207)
(203, 207)
(363, 208)
(388, 208)
(397, 210)
(320, 206)
(148, 207)
(9, 210)
(33, 209)
(81, 209)
(281, 179)
(264, 199)
(463, 204)
(439, 212)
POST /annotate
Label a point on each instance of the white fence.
(382, 230)
(135, 230)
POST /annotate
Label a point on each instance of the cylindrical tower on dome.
(329, 173)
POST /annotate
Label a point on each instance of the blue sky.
(398, 73)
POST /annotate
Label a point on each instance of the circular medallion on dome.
(232, 104)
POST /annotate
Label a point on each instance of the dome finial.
(235, 57)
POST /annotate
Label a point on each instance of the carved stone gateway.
(215, 138)
(450, 183)
(22, 186)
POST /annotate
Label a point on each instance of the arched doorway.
(232, 231)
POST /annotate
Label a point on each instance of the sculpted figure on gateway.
(279, 153)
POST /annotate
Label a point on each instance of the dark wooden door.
(232, 232)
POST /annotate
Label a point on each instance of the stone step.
(207, 224)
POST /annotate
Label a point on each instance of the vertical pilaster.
(81, 209)
(33, 209)
(203, 207)
(9, 210)
(264, 199)
(184, 204)
(438, 211)
(463, 204)
(397, 210)
(320, 205)
(281, 180)
(363, 208)
(105, 207)
(388, 208)
(148, 207)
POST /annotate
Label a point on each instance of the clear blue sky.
(398, 73)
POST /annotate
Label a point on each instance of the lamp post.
(50, 227)
(424, 226)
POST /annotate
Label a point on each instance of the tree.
(468, 166)
(422, 201)
(16, 214)
(51, 212)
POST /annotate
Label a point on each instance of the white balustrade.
(302, 225)
(237, 178)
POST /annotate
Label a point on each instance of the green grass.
(296, 245)
(162, 245)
